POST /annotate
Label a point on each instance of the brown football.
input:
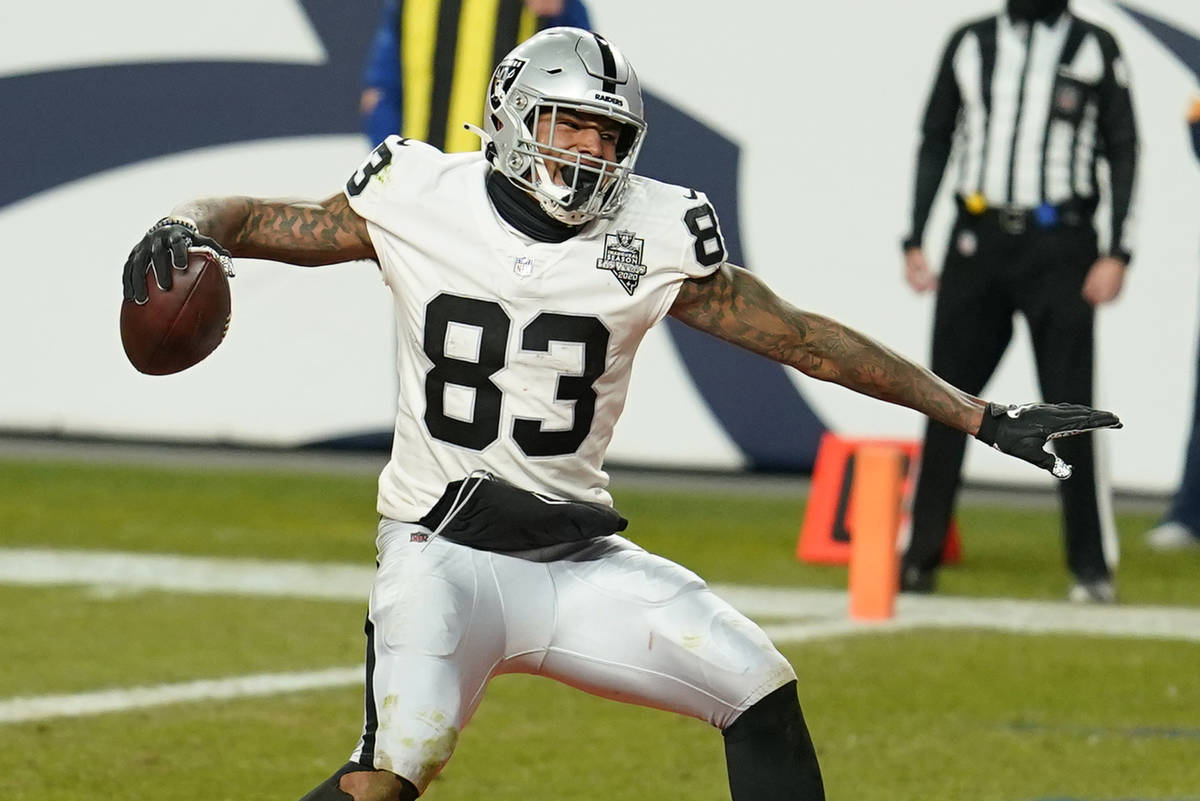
(175, 329)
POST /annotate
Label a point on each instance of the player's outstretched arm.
(297, 232)
(293, 231)
(736, 306)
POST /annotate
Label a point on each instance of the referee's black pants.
(989, 274)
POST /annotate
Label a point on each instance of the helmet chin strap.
(562, 214)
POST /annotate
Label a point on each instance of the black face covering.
(1035, 10)
(524, 213)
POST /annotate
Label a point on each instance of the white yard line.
(200, 574)
(814, 610)
(819, 609)
(43, 707)
(806, 615)
(829, 608)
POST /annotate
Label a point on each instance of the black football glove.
(1024, 430)
(165, 246)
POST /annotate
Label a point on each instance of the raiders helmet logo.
(502, 80)
(604, 97)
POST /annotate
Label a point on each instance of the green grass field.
(926, 715)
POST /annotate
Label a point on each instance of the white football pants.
(612, 620)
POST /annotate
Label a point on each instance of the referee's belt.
(1016, 220)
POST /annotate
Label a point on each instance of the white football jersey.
(514, 355)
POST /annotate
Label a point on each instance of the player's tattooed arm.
(737, 307)
(297, 232)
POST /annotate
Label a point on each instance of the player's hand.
(163, 248)
(917, 272)
(1023, 431)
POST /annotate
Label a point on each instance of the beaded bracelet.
(170, 220)
(222, 257)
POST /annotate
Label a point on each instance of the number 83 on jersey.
(455, 375)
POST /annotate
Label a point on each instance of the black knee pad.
(773, 710)
(769, 753)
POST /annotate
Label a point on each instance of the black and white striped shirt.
(1028, 109)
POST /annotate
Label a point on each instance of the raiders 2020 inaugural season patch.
(623, 257)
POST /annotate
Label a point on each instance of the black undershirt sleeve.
(937, 139)
(1118, 134)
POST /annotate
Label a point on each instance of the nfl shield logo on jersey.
(523, 266)
(623, 257)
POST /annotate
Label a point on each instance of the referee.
(1030, 101)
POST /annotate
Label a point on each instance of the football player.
(524, 277)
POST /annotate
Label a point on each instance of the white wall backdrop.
(824, 101)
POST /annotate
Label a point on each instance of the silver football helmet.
(555, 70)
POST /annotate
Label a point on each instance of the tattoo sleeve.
(737, 307)
(296, 232)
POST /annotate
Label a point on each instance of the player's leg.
(434, 634)
(1180, 526)
(769, 753)
(638, 628)
(1185, 507)
(972, 327)
(360, 783)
